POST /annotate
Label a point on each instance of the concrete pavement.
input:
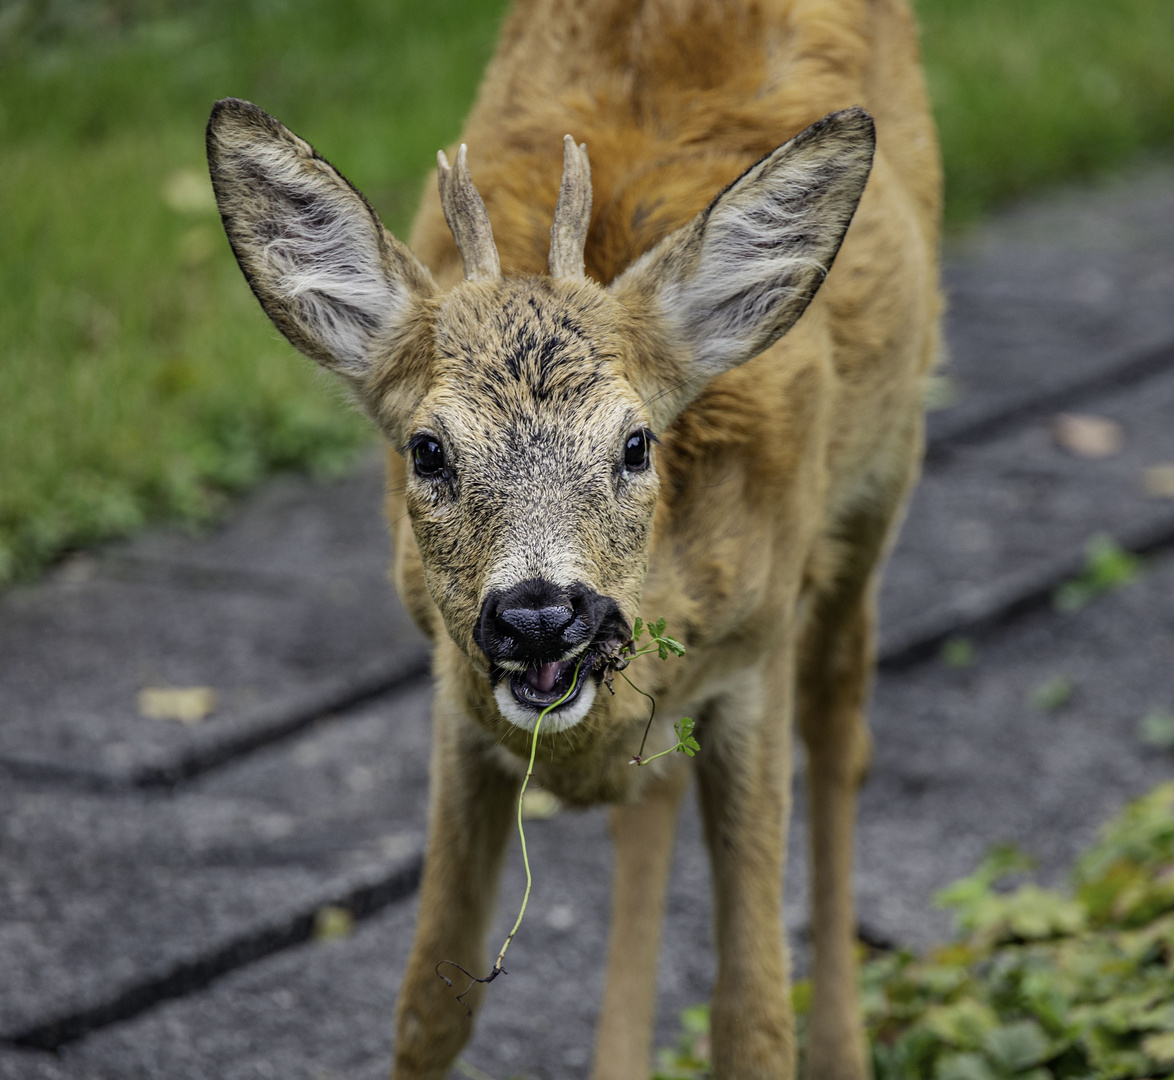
(159, 881)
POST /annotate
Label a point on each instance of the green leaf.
(1159, 1047)
(695, 1019)
(1018, 1045)
(958, 652)
(964, 1024)
(637, 629)
(685, 741)
(1053, 694)
(1000, 862)
(1157, 729)
(1107, 566)
(966, 1066)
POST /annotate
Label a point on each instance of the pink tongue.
(543, 676)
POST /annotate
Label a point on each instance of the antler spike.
(572, 214)
(467, 218)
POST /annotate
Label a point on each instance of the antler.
(465, 213)
(572, 215)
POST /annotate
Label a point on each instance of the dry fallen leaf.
(941, 392)
(539, 804)
(190, 704)
(1158, 481)
(1088, 436)
(332, 922)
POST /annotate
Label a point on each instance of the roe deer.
(632, 433)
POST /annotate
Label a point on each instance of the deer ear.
(732, 281)
(328, 274)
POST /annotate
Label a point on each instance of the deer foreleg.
(643, 843)
(744, 777)
(472, 808)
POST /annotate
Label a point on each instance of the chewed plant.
(1040, 984)
(664, 646)
(614, 663)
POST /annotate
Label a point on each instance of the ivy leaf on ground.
(1040, 984)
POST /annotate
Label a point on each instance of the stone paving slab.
(1057, 292)
(118, 891)
(968, 538)
(285, 612)
(105, 894)
(963, 760)
(1004, 521)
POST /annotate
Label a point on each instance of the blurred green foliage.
(1041, 984)
(138, 378)
(1035, 92)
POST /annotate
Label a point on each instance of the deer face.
(531, 487)
(528, 408)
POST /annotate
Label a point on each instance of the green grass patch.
(1035, 92)
(1040, 984)
(139, 380)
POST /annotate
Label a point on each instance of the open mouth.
(543, 684)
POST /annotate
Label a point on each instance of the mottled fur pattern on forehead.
(529, 348)
(529, 397)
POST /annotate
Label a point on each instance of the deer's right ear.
(333, 280)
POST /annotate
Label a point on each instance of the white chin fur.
(525, 717)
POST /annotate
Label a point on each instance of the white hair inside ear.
(736, 278)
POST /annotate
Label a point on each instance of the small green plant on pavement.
(1107, 566)
(1040, 984)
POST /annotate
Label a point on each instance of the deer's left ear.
(732, 281)
(335, 282)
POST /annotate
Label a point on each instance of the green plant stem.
(521, 831)
(638, 760)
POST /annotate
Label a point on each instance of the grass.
(139, 381)
(1029, 93)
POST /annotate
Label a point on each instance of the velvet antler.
(466, 216)
(572, 215)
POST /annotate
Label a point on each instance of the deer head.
(528, 407)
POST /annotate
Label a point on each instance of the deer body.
(533, 517)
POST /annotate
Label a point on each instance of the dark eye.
(636, 451)
(428, 457)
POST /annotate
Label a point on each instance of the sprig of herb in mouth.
(664, 646)
(659, 643)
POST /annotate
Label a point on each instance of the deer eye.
(636, 451)
(428, 456)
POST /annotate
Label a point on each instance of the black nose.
(533, 624)
(537, 621)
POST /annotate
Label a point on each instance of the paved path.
(159, 881)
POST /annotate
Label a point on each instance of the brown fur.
(758, 536)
